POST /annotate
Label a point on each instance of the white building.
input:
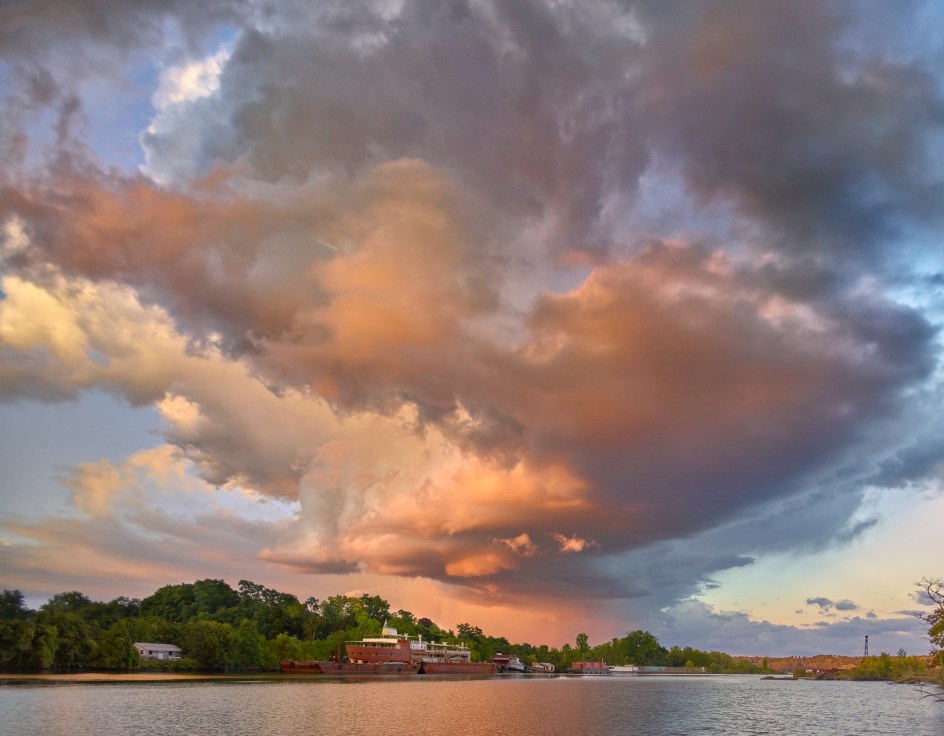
(149, 650)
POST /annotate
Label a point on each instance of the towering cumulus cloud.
(532, 300)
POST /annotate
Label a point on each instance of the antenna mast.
(866, 645)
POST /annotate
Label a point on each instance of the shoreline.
(104, 677)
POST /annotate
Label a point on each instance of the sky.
(548, 316)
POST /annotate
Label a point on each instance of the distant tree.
(933, 589)
(311, 617)
(285, 647)
(103, 616)
(208, 643)
(641, 647)
(175, 603)
(274, 612)
(154, 628)
(12, 605)
(248, 647)
(16, 644)
(65, 637)
(583, 645)
(377, 608)
(116, 650)
(212, 596)
(428, 629)
(282, 613)
(468, 632)
(338, 614)
(123, 607)
(72, 601)
(44, 646)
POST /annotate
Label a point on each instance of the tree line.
(254, 627)
(216, 626)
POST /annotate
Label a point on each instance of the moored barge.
(589, 668)
(330, 667)
(395, 653)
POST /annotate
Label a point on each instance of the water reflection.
(417, 706)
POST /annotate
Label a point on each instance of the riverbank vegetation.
(220, 628)
(884, 666)
(926, 671)
(252, 627)
(932, 591)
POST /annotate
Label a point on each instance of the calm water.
(490, 707)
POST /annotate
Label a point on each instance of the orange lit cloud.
(515, 304)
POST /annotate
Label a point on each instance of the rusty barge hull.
(374, 655)
(290, 667)
(456, 668)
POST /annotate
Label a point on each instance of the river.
(571, 706)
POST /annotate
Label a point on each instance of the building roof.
(157, 647)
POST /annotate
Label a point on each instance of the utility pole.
(866, 645)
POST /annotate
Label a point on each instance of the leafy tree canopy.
(12, 605)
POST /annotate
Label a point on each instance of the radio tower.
(866, 645)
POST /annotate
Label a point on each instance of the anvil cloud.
(524, 304)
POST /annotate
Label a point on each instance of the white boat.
(623, 669)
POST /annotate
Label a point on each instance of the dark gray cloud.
(825, 604)
(774, 108)
(422, 210)
(31, 29)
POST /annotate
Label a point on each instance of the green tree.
(406, 616)
(211, 597)
(285, 647)
(248, 648)
(16, 645)
(583, 645)
(175, 603)
(933, 590)
(12, 605)
(376, 607)
(154, 628)
(642, 648)
(44, 646)
(105, 615)
(73, 646)
(338, 614)
(116, 649)
(311, 617)
(468, 632)
(430, 631)
(72, 601)
(207, 642)
(274, 612)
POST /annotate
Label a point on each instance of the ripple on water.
(625, 706)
